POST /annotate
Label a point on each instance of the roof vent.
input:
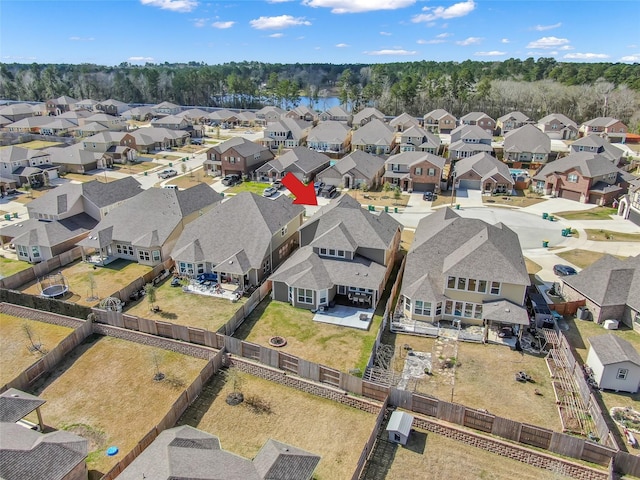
(507, 310)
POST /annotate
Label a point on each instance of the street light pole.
(453, 175)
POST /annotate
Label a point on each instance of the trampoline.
(53, 286)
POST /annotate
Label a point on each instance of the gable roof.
(516, 115)
(15, 405)
(601, 122)
(404, 119)
(446, 244)
(474, 117)
(588, 164)
(437, 114)
(279, 461)
(374, 132)
(527, 138)
(330, 131)
(297, 128)
(49, 233)
(366, 113)
(239, 229)
(463, 132)
(484, 165)
(302, 159)
(413, 158)
(73, 154)
(29, 455)
(15, 154)
(603, 145)
(361, 164)
(612, 349)
(17, 109)
(609, 281)
(368, 229)
(566, 121)
(338, 111)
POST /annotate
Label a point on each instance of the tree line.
(535, 87)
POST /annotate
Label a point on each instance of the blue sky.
(328, 31)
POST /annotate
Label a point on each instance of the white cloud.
(585, 56)
(548, 42)
(433, 41)
(357, 6)
(282, 21)
(456, 10)
(200, 22)
(81, 39)
(223, 25)
(386, 34)
(504, 40)
(276, 35)
(342, 45)
(14, 57)
(492, 53)
(542, 28)
(173, 5)
(444, 35)
(631, 58)
(140, 59)
(566, 47)
(469, 41)
(390, 51)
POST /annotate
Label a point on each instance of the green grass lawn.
(597, 213)
(9, 266)
(254, 187)
(600, 235)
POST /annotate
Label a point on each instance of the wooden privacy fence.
(40, 269)
(245, 310)
(171, 417)
(371, 441)
(139, 283)
(567, 308)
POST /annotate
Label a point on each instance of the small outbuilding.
(615, 363)
(399, 427)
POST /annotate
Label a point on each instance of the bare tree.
(34, 345)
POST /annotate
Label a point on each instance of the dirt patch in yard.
(379, 199)
(582, 258)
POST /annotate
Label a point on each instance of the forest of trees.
(536, 87)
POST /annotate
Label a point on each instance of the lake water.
(321, 104)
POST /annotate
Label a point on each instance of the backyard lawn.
(254, 187)
(429, 452)
(597, 213)
(342, 348)
(134, 167)
(187, 181)
(334, 431)
(485, 379)
(16, 352)
(190, 309)
(35, 144)
(118, 403)
(108, 280)
(9, 266)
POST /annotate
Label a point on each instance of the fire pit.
(277, 341)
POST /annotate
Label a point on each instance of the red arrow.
(305, 194)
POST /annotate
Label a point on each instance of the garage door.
(424, 187)
(570, 195)
(634, 217)
(470, 184)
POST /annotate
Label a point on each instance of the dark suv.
(329, 191)
(231, 180)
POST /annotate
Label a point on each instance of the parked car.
(168, 173)
(231, 180)
(429, 196)
(269, 191)
(277, 185)
(329, 191)
(564, 270)
(196, 141)
(318, 187)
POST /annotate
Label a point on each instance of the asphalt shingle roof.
(527, 138)
(485, 165)
(15, 405)
(374, 132)
(611, 349)
(588, 164)
(360, 164)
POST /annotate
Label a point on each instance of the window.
(451, 282)
(482, 286)
(155, 255)
(407, 303)
(124, 249)
(418, 171)
(439, 308)
(332, 252)
(458, 309)
(323, 251)
(572, 177)
(431, 172)
(305, 296)
(200, 268)
(448, 307)
(468, 310)
(462, 283)
(622, 374)
(422, 308)
(495, 288)
(283, 231)
(323, 297)
(478, 312)
(143, 255)
(266, 266)
(186, 268)
(471, 285)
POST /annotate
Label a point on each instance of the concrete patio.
(346, 317)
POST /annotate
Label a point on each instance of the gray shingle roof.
(466, 132)
(241, 145)
(611, 349)
(29, 455)
(516, 115)
(366, 113)
(15, 405)
(566, 121)
(279, 461)
(601, 122)
(437, 114)
(34, 232)
(527, 138)
(609, 281)
(374, 132)
(329, 132)
(484, 165)
(15, 154)
(504, 311)
(301, 159)
(447, 244)
(239, 229)
(474, 117)
(358, 163)
(413, 158)
(369, 230)
(603, 146)
(404, 119)
(588, 164)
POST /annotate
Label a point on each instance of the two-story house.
(302, 162)
(480, 119)
(26, 166)
(112, 122)
(240, 240)
(337, 113)
(346, 253)
(167, 108)
(353, 171)
(172, 122)
(419, 139)
(62, 217)
(462, 270)
(511, 121)
(112, 107)
(610, 128)
(139, 114)
(331, 137)
(483, 172)
(17, 111)
(583, 177)
(526, 145)
(223, 117)
(439, 121)
(558, 127)
(196, 116)
(286, 133)
(468, 140)
(237, 156)
(268, 114)
(403, 122)
(87, 105)
(414, 171)
(134, 231)
(302, 112)
(374, 137)
(594, 143)
(74, 159)
(629, 204)
(366, 115)
(59, 105)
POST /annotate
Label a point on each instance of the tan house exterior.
(439, 121)
(610, 128)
